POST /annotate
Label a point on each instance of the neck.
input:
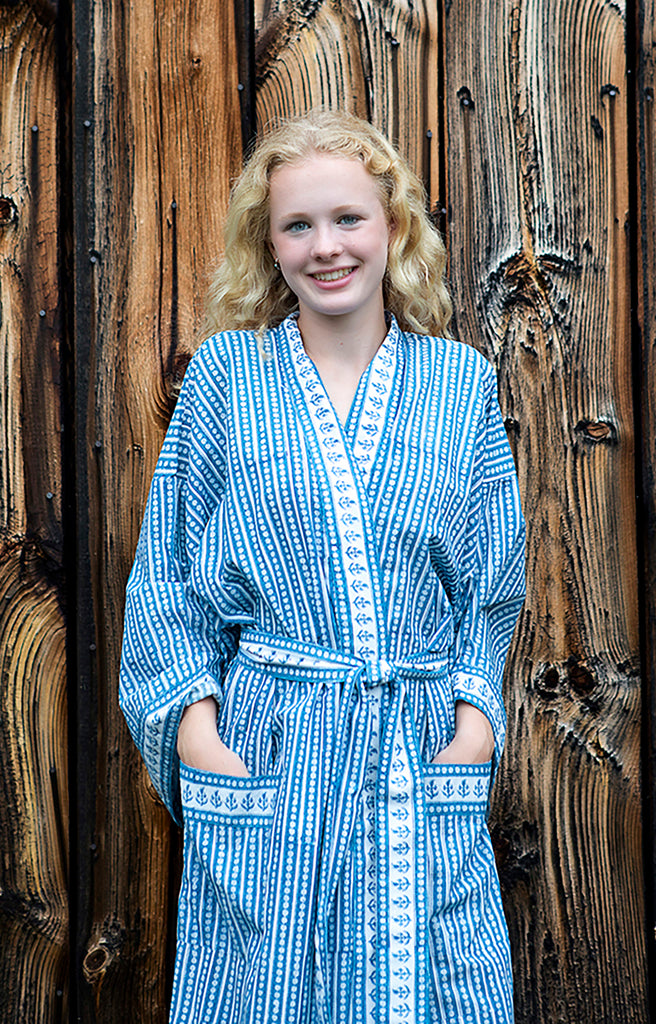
(350, 341)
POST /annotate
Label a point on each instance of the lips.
(333, 275)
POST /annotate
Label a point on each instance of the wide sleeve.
(175, 649)
(493, 580)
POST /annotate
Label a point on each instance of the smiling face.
(329, 231)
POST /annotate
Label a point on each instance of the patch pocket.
(456, 798)
(469, 939)
(227, 823)
(457, 788)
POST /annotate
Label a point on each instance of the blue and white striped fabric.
(337, 588)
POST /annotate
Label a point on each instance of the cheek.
(288, 253)
(377, 242)
(379, 252)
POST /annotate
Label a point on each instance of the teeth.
(333, 275)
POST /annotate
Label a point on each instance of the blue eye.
(348, 219)
(298, 225)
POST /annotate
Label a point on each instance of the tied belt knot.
(378, 671)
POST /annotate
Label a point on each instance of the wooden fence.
(532, 124)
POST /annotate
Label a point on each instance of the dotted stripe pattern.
(385, 559)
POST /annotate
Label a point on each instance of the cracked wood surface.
(164, 144)
(33, 722)
(645, 157)
(539, 250)
(377, 60)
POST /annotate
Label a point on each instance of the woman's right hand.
(199, 745)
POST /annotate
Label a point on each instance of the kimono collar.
(344, 456)
(364, 425)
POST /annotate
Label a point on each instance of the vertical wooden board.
(166, 144)
(646, 309)
(377, 60)
(33, 739)
(538, 196)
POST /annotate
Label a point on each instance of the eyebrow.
(343, 208)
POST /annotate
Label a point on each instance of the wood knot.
(95, 962)
(547, 682)
(553, 681)
(8, 211)
(103, 951)
(580, 678)
(465, 98)
(596, 431)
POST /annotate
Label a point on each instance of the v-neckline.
(343, 479)
(363, 428)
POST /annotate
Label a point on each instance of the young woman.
(325, 587)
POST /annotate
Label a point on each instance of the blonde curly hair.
(247, 292)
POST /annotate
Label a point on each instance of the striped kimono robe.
(337, 588)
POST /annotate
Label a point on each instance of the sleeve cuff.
(161, 724)
(477, 690)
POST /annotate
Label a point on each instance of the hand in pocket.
(473, 742)
(199, 745)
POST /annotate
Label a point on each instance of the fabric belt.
(287, 653)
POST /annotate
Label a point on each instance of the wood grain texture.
(166, 141)
(377, 60)
(539, 175)
(33, 722)
(646, 309)
(538, 197)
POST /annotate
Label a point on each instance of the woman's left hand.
(199, 745)
(473, 742)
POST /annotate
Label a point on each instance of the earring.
(276, 263)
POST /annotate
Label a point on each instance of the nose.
(326, 243)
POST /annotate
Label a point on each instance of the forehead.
(322, 178)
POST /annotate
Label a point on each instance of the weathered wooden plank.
(538, 199)
(245, 58)
(33, 744)
(165, 140)
(646, 356)
(377, 60)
